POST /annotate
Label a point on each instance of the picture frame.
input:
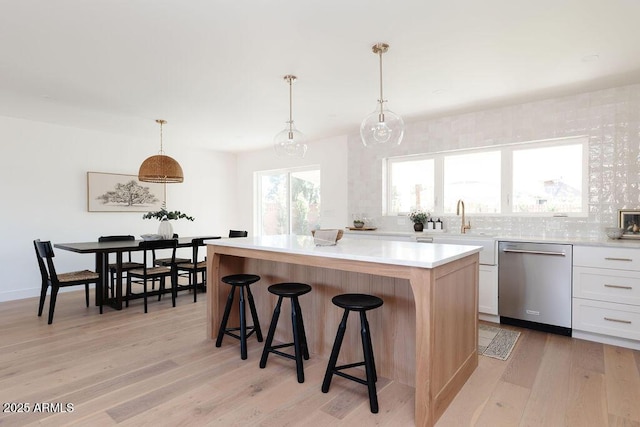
(114, 192)
(629, 221)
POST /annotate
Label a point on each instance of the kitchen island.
(425, 334)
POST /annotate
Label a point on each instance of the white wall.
(330, 154)
(609, 118)
(44, 194)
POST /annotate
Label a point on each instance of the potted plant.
(419, 218)
(358, 223)
(163, 215)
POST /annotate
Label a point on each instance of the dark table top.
(119, 246)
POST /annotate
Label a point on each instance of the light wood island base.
(425, 334)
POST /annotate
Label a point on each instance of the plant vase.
(418, 226)
(165, 229)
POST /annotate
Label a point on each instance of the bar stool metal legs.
(241, 281)
(360, 303)
(293, 291)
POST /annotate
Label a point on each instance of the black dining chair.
(166, 261)
(126, 264)
(194, 267)
(153, 272)
(50, 278)
(238, 233)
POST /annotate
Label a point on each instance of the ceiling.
(214, 68)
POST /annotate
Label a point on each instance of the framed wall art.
(629, 220)
(112, 192)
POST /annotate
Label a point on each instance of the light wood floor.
(131, 369)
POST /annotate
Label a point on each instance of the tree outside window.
(289, 202)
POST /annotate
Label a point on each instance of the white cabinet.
(488, 279)
(488, 291)
(606, 295)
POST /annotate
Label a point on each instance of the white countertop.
(379, 251)
(621, 243)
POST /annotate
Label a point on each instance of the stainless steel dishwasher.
(534, 285)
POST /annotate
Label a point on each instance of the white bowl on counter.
(614, 232)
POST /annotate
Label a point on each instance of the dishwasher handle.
(524, 251)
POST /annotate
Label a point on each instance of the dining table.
(101, 250)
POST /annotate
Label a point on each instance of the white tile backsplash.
(611, 119)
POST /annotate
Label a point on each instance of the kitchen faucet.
(464, 227)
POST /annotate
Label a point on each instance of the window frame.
(507, 200)
(506, 178)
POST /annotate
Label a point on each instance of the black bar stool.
(360, 303)
(241, 281)
(293, 291)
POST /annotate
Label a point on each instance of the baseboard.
(607, 339)
(489, 317)
(31, 293)
(19, 294)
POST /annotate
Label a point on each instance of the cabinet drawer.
(606, 318)
(606, 257)
(619, 286)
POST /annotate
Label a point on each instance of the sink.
(488, 243)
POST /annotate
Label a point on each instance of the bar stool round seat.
(240, 279)
(357, 302)
(288, 290)
(360, 303)
(242, 282)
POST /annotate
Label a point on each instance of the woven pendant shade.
(160, 168)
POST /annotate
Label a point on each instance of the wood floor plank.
(615, 421)
(391, 397)
(587, 402)
(525, 359)
(623, 383)
(547, 403)
(257, 405)
(505, 407)
(588, 355)
(128, 368)
(473, 397)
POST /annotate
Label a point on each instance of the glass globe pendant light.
(381, 127)
(290, 142)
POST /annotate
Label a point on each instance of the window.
(475, 178)
(412, 185)
(548, 179)
(533, 178)
(288, 201)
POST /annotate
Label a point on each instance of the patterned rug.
(496, 342)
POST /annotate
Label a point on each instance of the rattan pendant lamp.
(160, 168)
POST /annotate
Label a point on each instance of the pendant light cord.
(161, 122)
(381, 48)
(290, 79)
(381, 100)
(290, 104)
